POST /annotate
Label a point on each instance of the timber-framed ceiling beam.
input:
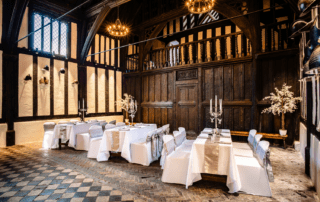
(293, 5)
(103, 9)
(95, 10)
(15, 23)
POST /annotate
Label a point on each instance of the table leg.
(59, 143)
(284, 143)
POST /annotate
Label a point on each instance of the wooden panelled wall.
(181, 96)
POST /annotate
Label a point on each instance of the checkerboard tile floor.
(26, 179)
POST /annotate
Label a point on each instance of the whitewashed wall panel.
(43, 89)
(112, 52)
(72, 88)
(96, 47)
(119, 89)
(91, 92)
(74, 40)
(25, 96)
(107, 53)
(3, 135)
(101, 90)
(102, 48)
(24, 30)
(58, 88)
(111, 91)
(1, 79)
(89, 53)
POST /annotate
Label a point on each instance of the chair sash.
(179, 139)
(166, 129)
(161, 133)
(169, 147)
(263, 156)
(49, 126)
(113, 122)
(95, 131)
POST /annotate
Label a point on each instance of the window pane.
(46, 35)
(63, 39)
(55, 37)
(37, 35)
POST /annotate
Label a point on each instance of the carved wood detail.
(187, 75)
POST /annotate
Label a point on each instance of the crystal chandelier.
(199, 6)
(117, 29)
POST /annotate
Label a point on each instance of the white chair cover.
(179, 138)
(261, 153)
(102, 121)
(95, 131)
(168, 147)
(96, 134)
(144, 151)
(63, 122)
(113, 122)
(120, 124)
(253, 177)
(182, 130)
(109, 126)
(256, 141)
(166, 129)
(248, 146)
(103, 124)
(48, 134)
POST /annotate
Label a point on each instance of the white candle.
(136, 105)
(216, 103)
(83, 102)
(210, 105)
(220, 105)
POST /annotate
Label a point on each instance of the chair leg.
(59, 143)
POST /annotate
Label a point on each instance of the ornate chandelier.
(199, 6)
(117, 29)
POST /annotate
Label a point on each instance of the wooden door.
(187, 108)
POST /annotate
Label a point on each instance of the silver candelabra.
(133, 109)
(216, 116)
(82, 111)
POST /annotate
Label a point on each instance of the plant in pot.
(124, 104)
(282, 101)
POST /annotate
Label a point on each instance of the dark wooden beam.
(91, 34)
(97, 8)
(14, 24)
(293, 5)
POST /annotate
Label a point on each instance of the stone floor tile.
(67, 181)
(115, 192)
(83, 189)
(92, 194)
(102, 198)
(75, 185)
(14, 199)
(23, 183)
(27, 188)
(34, 192)
(59, 191)
(45, 182)
(42, 197)
(28, 198)
(5, 189)
(67, 195)
(76, 199)
(127, 198)
(8, 194)
(53, 186)
(106, 188)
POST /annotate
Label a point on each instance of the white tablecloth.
(126, 137)
(226, 162)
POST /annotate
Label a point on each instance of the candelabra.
(133, 109)
(82, 111)
(216, 116)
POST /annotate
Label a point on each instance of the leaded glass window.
(52, 38)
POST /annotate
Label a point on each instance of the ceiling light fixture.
(118, 29)
(199, 6)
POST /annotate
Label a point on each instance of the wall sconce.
(74, 83)
(28, 78)
(46, 68)
(43, 80)
(62, 71)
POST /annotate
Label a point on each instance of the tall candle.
(220, 104)
(79, 104)
(210, 105)
(136, 105)
(216, 103)
(83, 102)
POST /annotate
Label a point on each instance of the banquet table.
(214, 156)
(125, 137)
(71, 132)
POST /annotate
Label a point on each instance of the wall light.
(46, 68)
(28, 78)
(62, 71)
